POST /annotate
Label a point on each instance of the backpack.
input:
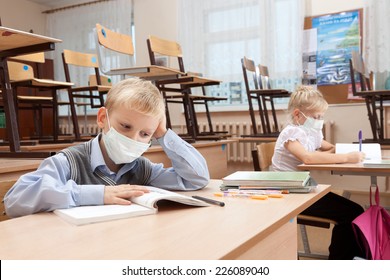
(372, 230)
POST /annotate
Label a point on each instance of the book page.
(156, 194)
(99, 213)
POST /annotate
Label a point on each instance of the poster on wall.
(337, 36)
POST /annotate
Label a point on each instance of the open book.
(141, 205)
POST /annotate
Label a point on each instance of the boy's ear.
(101, 117)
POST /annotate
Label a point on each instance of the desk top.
(18, 39)
(175, 232)
(345, 168)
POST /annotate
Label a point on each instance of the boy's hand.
(161, 129)
(122, 193)
(354, 157)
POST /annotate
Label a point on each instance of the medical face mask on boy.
(312, 123)
(120, 148)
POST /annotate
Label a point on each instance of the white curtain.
(376, 35)
(216, 34)
(75, 26)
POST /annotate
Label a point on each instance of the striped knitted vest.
(79, 158)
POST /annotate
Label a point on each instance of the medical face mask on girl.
(120, 148)
(312, 123)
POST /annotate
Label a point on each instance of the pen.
(209, 200)
(360, 135)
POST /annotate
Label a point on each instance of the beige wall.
(23, 15)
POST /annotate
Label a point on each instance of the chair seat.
(35, 98)
(271, 92)
(42, 83)
(315, 221)
(99, 88)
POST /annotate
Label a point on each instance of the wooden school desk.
(356, 169)
(215, 153)
(13, 43)
(243, 229)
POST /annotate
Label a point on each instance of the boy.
(109, 169)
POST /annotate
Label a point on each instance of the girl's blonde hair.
(136, 94)
(306, 98)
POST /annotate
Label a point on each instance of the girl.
(302, 142)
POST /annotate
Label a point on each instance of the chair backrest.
(19, 71)
(72, 59)
(249, 68)
(105, 81)
(264, 152)
(34, 57)
(264, 80)
(162, 47)
(358, 73)
(81, 59)
(111, 43)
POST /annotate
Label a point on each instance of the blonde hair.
(306, 98)
(136, 94)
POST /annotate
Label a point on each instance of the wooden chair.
(186, 82)
(258, 90)
(22, 76)
(91, 92)
(359, 74)
(262, 159)
(117, 46)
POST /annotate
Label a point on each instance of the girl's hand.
(121, 194)
(355, 157)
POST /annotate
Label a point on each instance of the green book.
(268, 179)
(384, 163)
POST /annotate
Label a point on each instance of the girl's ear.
(101, 117)
(296, 112)
(295, 116)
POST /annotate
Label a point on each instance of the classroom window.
(215, 35)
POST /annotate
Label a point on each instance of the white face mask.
(120, 148)
(313, 124)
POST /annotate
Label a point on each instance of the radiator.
(236, 152)
(84, 129)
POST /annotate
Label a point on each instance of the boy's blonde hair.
(306, 98)
(136, 94)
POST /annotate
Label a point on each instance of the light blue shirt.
(50, 187)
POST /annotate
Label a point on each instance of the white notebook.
(372, 150)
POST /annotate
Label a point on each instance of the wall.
(26, 18)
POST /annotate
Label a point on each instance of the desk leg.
(9, 107)
(374, 182)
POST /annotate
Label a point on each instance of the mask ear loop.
(108, 119)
